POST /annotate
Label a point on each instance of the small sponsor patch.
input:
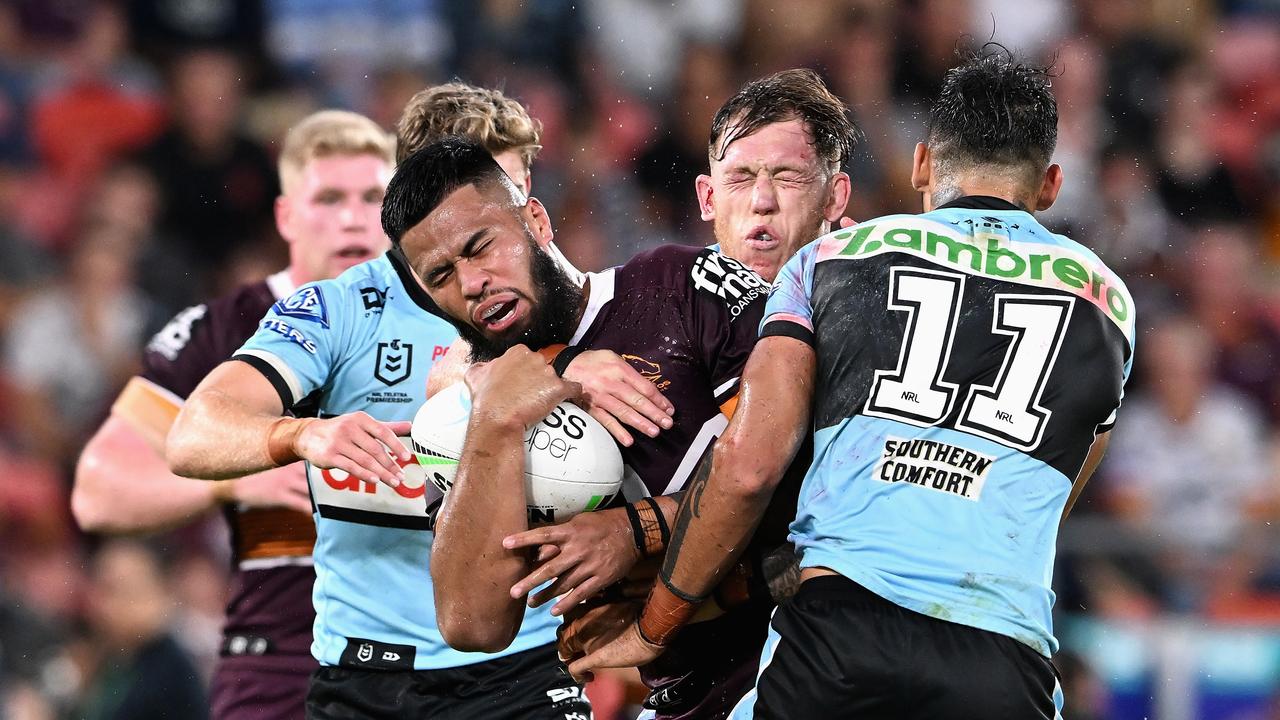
(935, 465)
(370, 654)
(731, 281)
(291, 334)
(305, 304)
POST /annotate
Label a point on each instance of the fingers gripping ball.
(572, 464)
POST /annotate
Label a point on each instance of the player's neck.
(979, 186)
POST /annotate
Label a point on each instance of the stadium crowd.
(137, 150)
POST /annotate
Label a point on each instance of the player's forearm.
(727, 499)
(1091, 462)
(471, 571)
(217, 436)
(126, 487)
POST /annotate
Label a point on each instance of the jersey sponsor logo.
(290, 333)
(394, 362)
(650, 371)
(989, 251)
(935, 465)
(177, 333)
(731, 281)
(305, 304)
(373, 298)
(341, 496)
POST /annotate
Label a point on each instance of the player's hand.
(357, 444)
(616, 394)
(585, 555)
(519, 387)
(282, 487)
(628, 649)
(591, 625)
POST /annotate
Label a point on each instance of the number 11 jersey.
(966, 360)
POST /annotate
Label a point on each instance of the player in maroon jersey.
(333, 169)
(686, 317)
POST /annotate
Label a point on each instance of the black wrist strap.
(566, 356)
(637, 530)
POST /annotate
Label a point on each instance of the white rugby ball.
(571, 462)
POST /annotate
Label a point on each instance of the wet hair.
(796, 94)
(425, 178)
(484, 115)
(994, 110)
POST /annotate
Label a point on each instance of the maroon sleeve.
(201, 337)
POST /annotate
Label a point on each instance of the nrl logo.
(305, 304)
(394, 362)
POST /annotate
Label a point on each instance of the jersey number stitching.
(1008, 411)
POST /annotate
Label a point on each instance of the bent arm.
(471, 571)
(223, 429)
(1091, 462)
(123, 485)
(725, 503)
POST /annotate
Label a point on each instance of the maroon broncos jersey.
(269, 616)
(686, 318)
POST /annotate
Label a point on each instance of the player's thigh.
(830, 654)
(242, 691)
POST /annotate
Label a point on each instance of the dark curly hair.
(790, 94)
(994, 110)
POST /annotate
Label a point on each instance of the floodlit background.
(137, 142)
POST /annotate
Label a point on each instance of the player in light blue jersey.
(361, 348)
(962, 369)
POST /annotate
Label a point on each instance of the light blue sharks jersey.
(966, 358)
(365, 342)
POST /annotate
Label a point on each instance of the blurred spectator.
(72, 344)
(492, 38)
(218, 186)
(1187, 461)
(140, 672)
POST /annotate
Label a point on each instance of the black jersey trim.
(786, 328)
(272, 375)
(410, 282)
(981, 202)
(368, 517)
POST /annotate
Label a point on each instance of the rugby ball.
(571, 462)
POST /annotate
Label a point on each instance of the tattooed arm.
(722, 507)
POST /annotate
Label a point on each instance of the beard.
(553, 312)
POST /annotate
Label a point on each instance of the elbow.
(87, 507)
(749, 475)
(179, 454)
(466, 632)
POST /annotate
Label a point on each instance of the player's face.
(481, 259)
(330, 216)
(770, 195)
(513, 164)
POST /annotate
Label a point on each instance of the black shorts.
(532, 684)
(841, 651)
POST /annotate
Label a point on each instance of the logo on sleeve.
(731, 281)
(175, 336)
(305, 304)
(394, 362)
(291, 334)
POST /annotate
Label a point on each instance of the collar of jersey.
(600, 293)
(980, 202)
(410, 283)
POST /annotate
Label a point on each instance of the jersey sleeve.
(300, 340)
(789, 312)
(185, 350)
(727, 301)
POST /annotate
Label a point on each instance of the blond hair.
(484, 116)
(331, 132)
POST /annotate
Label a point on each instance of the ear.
(841, 186)
(705, 205)
(539, 222)
(284, 216)
(1049, 188)
(921, 172)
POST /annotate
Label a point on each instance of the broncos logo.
(651, 371)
